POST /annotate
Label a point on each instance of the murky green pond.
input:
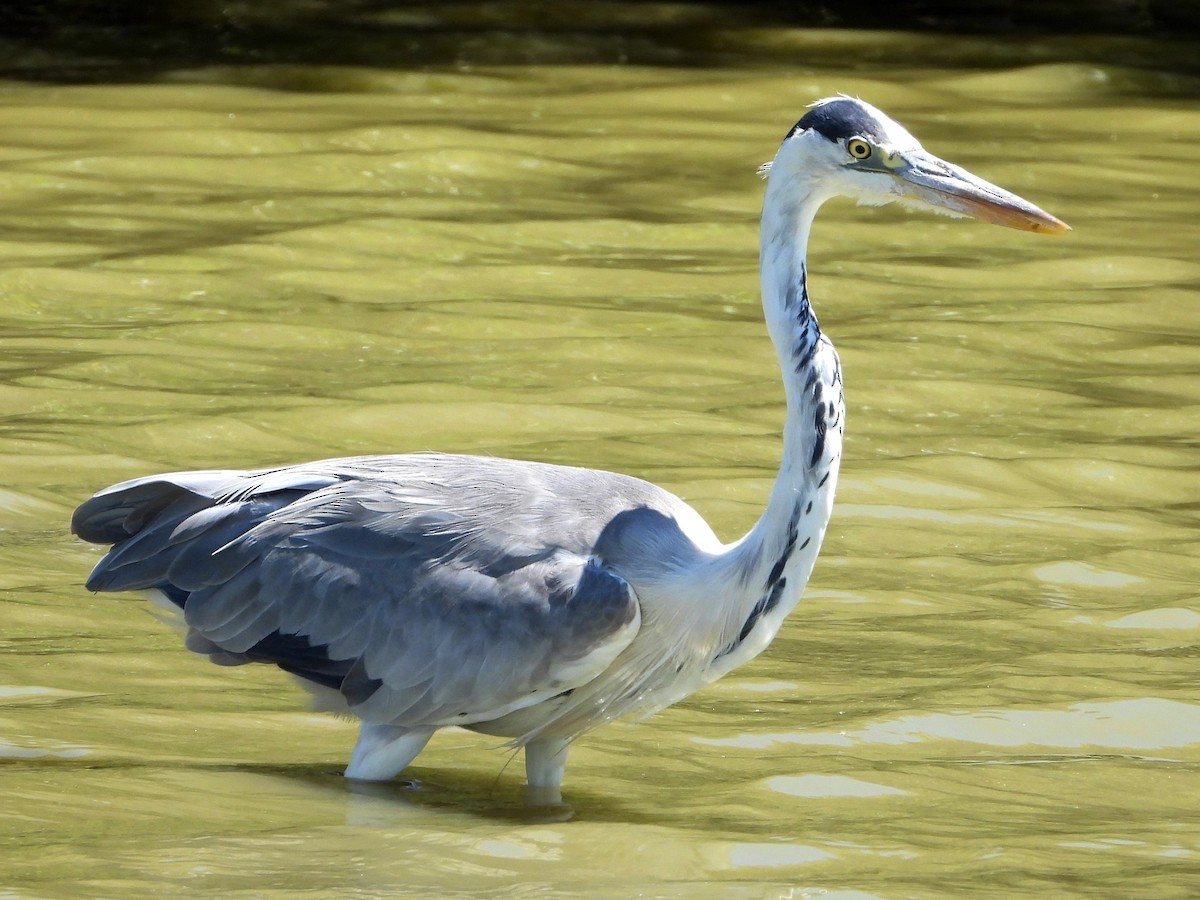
(991, 686)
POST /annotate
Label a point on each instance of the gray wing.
(427, 589)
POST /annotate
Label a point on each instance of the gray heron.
(521, 599)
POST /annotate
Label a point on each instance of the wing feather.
(428, 589)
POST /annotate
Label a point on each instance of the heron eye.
(858, 148)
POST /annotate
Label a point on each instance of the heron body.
(522, 599)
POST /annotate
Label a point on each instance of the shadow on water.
(485, 796)
(67, 41)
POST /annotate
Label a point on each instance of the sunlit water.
(991, 685)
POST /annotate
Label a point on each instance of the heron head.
(845, 147)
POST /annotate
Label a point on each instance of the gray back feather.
(426, 588)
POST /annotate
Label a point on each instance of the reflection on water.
(999, 646)
(1143, 724)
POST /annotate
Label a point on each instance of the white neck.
(726, 606)
(768, 568)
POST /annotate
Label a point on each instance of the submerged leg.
(545, 765)
(383, 751)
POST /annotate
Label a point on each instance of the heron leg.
(546, 762)
(383, 751)
(545, 765)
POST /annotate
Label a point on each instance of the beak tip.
(1056, 226)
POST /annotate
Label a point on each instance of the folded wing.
(426, 590)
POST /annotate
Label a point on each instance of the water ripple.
(1136, 724)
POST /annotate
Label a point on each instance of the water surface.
(990, 687)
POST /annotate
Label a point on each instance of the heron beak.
(935, 182)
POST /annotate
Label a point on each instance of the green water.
(990, 688)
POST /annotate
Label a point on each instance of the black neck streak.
(806, 331)
(772, 591)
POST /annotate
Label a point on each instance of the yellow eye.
(858, 148)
